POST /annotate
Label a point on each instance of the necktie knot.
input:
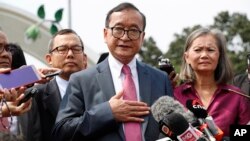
(126, 70)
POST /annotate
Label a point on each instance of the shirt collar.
(62, 84)
(188, 87)
(117, 66)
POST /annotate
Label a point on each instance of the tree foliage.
(235, 25)
(232, 25)
(176, 47)
(149, 52)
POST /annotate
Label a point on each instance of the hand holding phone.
(19, 77)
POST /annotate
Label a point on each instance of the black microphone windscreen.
(176, 123)
(197, 108)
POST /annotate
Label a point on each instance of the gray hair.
(223, 72)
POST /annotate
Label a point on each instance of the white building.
(14, 22)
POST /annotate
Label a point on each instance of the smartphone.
(19, 77)
(53, 73)
(28, 94)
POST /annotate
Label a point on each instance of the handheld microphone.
(164, 106)
(199, 111)
(31, 93)
(215, 130)
(183, 130)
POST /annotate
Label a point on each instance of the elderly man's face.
(5, 56)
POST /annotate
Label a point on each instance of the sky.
(164, 17)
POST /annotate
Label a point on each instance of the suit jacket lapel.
(145, 89)
(104, 78)
(107, 86)
(52, 98)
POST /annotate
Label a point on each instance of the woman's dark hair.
(18, 58)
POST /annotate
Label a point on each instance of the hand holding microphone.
(27, 95)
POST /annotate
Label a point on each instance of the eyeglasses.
(4, 47)
(64, 49)
(118, 32)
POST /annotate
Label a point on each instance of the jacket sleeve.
(75, 120)
(30, 124)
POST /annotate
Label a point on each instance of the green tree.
(231, 25)
(149, 52)
(235, 25)
(176, 47)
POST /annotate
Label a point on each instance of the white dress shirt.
(118, 76)
(62, 85)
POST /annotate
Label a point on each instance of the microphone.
(28, 94)
(176, 123)
(199, 111)
(166, 105)
(215, 130)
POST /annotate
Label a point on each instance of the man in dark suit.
(243, 82)
(66, 52)
(94, 107)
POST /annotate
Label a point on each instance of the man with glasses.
(9, 107)
(104, 103)
(66, 52)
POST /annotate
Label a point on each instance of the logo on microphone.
(165, 129)
(197, 104)
(188, 135)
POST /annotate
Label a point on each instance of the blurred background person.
(206, 70)
(18, 60)
(17, 56)
(243, 80)
(102, 57)
(11, 107)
